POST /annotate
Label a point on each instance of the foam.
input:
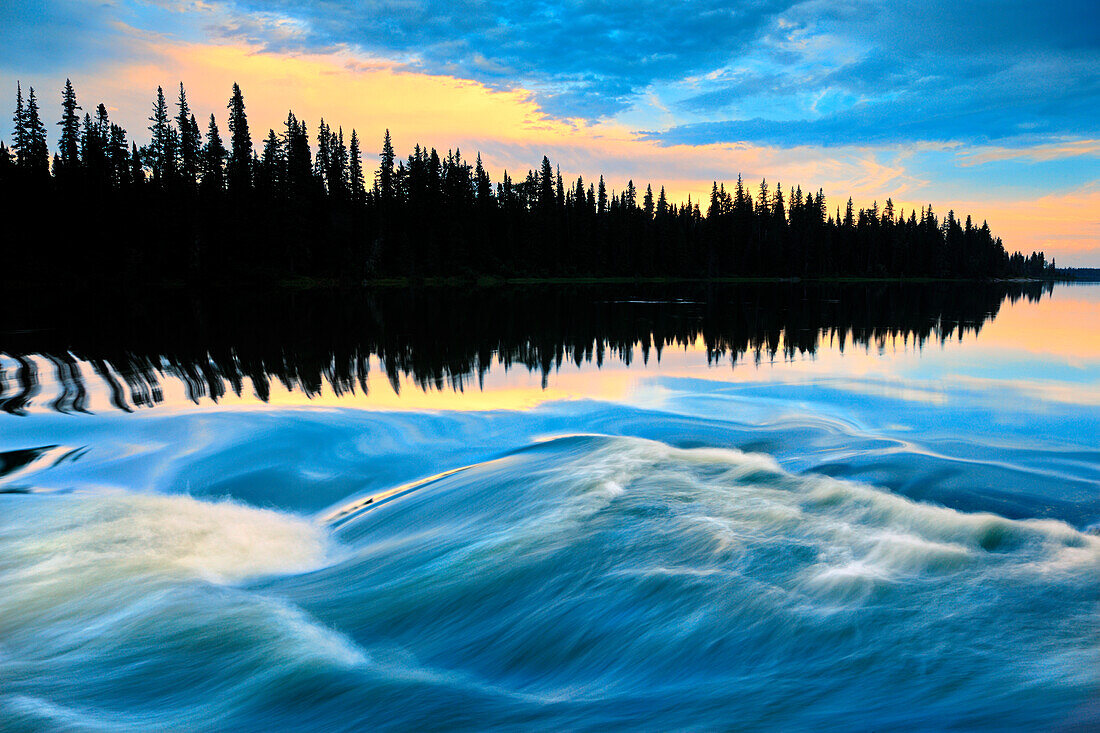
(96, 577)
(861, 534)
(179, 536)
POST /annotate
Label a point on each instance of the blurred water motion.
(793, 507)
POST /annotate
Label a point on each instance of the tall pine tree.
(160, 150)
(190, 145)
(34, 136)
(355, 170)
(70, 131)
(213, 159)
(239, 168)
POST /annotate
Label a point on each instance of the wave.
(94, 539)
(627, 572)
(585, 580)
(108, 597)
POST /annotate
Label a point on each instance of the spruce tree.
(70, 131)
(272, 165)
(190, 142)
(355, 170)
(299, 169)
(385, 172)
(339, 163)
(160, 141)
(34, 136)
(118, 156)
(483, 187)
(213, 159)
(137, 167)
(19, 147)
(763, 202)
(93, 147)
(546, 186)
(239, 168)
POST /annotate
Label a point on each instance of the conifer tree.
(93, 147)
(272, 165)
(355, 170)
(299, 169)
(340, 164)
(763, 202)
(483, 187)
(546, 186)
(385, 172)
(19, 147)
(323, 161)
(714, 210)
(70, 131)
(238, 170)
(160, 148)
(213, 159)
(118, 156)
(34, 136)
(190, 143)
(137, 167)
(630, 196)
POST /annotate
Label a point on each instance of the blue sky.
(772, 71)
(994, 100)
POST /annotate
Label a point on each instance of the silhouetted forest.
(224, 207)
(128, 344)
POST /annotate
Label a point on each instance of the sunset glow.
(1036, 186)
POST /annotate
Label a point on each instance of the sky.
(986, 107)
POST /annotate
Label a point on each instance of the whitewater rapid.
(583, 581)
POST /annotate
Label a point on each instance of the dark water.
(847, 507)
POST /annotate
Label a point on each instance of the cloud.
(1037, 153)
(973, 72)
(819, 72)
(581, 59)
(773, 72)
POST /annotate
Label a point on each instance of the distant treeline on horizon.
(188, 206)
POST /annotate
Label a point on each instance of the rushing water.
(848, 507)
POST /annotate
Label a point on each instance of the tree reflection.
(215, 343)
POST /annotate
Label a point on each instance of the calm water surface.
(846, 507)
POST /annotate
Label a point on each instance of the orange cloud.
(508, 126)
(1037, 153)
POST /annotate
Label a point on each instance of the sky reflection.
(1039, 351)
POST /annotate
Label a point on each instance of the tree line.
(200, 207)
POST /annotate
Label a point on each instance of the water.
(848, 507)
